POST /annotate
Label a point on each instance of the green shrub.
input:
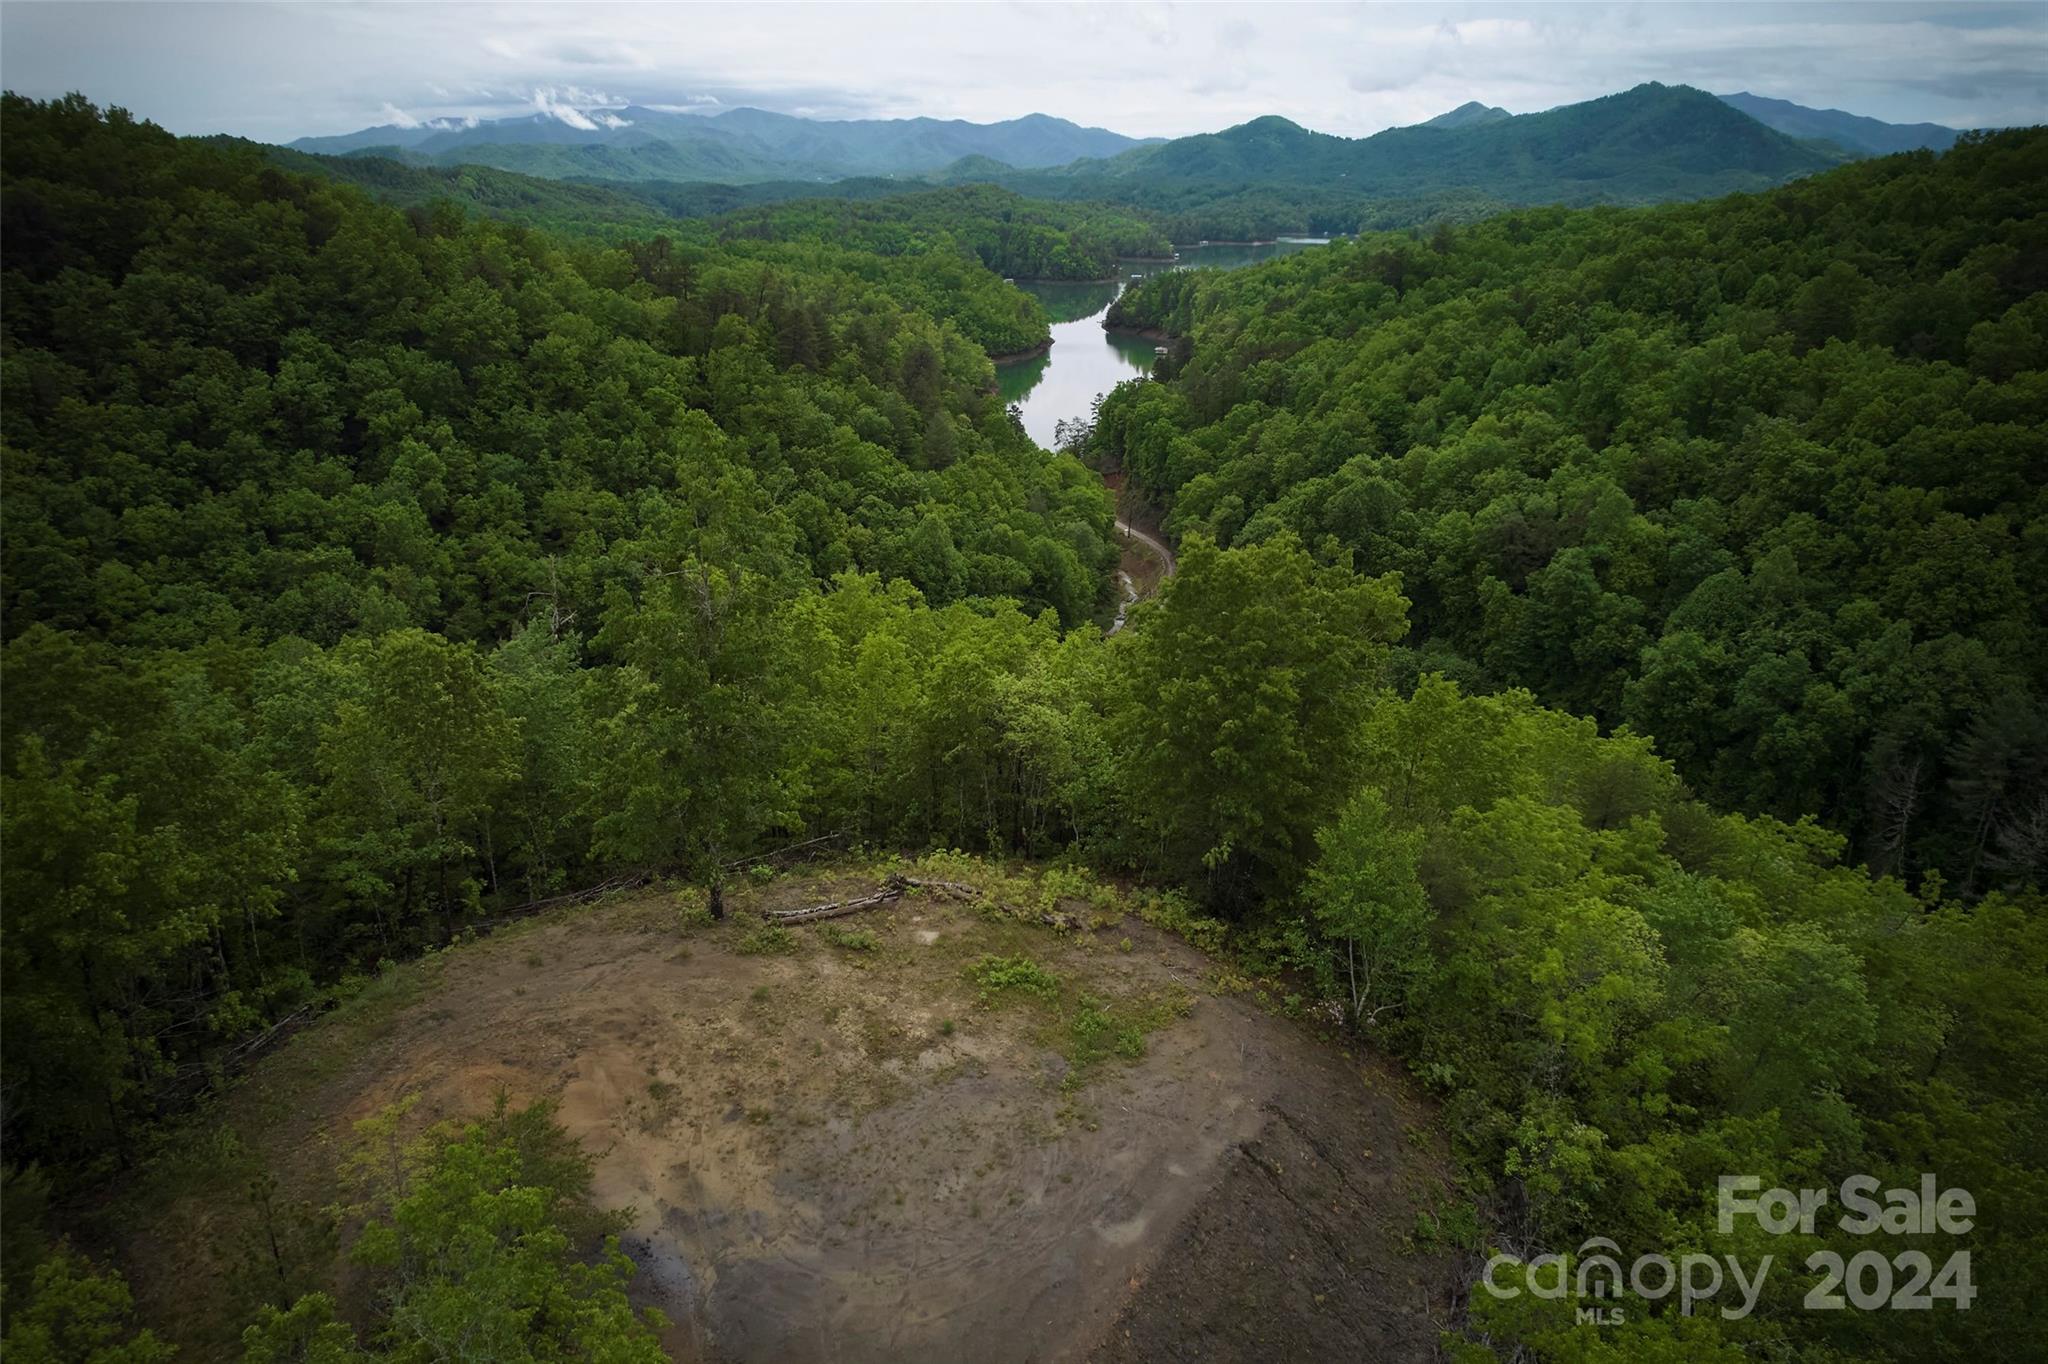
(1170, 910)
(1013, 975)
(1097, 1034)
(1059, 884)
(768, 940)
(852, 939)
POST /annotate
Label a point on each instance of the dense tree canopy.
(1759, 477)
(426, 421)
(918, 245)
(372, 572)
(1008, 233)
(1250, 688)
(311, 508)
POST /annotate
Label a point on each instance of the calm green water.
(1085, 361)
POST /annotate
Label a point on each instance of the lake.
(1085, 361)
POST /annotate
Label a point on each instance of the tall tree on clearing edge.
(706, 727)
(1246, 685)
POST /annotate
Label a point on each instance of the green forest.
(1604, 672)
(1272, 176)
(1008, 234)
(921, 247)
(1759, 478)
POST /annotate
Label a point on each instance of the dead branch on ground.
(892, 891)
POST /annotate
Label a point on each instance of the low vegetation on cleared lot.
(895, 1135)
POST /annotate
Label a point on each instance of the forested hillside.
(1272, 176)
(372, 573)
(565, 206)
(1260, 179)
(1011, 235)
(303, 495)
(568, 206)
(1008, 235)
(1760, 478)
(1851, 132)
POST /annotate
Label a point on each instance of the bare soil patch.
(846, 1152)
(1143, 567)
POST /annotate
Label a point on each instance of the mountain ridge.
(1469, 114)
(1851, 132)
(637, 142)
(1649, 143)
(1263, 177)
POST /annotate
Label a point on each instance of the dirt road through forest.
(1157, 545)
(1147, 562)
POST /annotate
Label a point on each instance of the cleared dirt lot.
(849, 1151)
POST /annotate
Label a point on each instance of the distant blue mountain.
(739, 146)
(1851, 132)
(1652, 142)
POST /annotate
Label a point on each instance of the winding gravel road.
(1167, 563)
(1158, 545)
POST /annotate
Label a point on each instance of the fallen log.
(804, 847)
(249, 1048)
(892, 891)
(833, 909)
(628, 881)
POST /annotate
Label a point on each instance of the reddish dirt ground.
(846, 1155)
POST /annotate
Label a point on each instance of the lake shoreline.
(1090, 358)
(1284, 239)
(1021, 280)
(1043, 348)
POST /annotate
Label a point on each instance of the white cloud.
(283, 71)
(546, 102)
(1492, 30)
(580, 109)
(694, 104)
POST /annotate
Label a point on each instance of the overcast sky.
(277, 72)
